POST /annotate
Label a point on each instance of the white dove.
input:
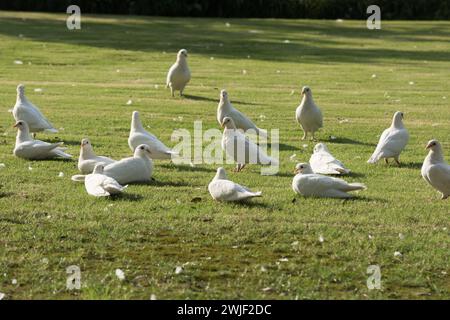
(99, 185)
(240, 148)
(28, 148)
(222, 189)
(226, 109)
(435, 170)
(307, 183)
(138, 135)
(179, 74)
(392, 141)
(323, 162)
(88, 159)
(308, 115)
(25, 110)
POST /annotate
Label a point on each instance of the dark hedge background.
(323, 9)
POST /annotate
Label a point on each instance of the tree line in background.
(312, 9)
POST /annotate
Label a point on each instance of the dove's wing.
(93, 184)
(112, 186)
(128, 170)
(323, 186)
(158, 148)
(245, 151)
(439, 177)
(241, 121)
(226, 190)
(33, 116)
(391, 144)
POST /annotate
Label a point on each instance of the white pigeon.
(240, 148)
(392, 141)
(308, 114)
(435, 170)
(25, 110)
(99, 185)
(226, 109)
(138, 168)
(179, 74)
(323, 162)
(308, 183)
(138, 135)
(222, 189)
(28, 148)
(88, 159)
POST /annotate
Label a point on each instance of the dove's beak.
(223, 124)
(296, 171)
(428, 146)
(15, 125)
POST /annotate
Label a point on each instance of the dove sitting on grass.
(392, 141)
(435, 170)
(28, 148)
(308, 115)
(99, 185)
(88, 159)
(226, 109)
(179, 74)
(307, 183)
(323, 162)
(222, 189)
(28, 112)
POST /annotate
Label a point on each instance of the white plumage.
(392, 141)
(99, 185)
(240, 148)
(138, 135)
(435, 170)
(308, 115)
(226, 109)
(222, 189)
(307, 183)
(88, 159)
(28, 148)
(28, 112)
(179, 74)
(323, 162)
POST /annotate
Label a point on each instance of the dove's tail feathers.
(341, 170)
(115, 188)
(78, 178)
(51, 130)
(375, 157)
(357, 186)
(62, 154)
(173, 153)
(257, 194)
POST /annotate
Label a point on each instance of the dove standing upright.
(88, 159)
(28, 148)
(179, 74)
(28, 112)
(138, 135)
(435, 170)
(240, 148)
(392, 141)
(307, 183)
(99, 185)
(222, 189)
(323, 162)
(308, 115)
(226, 109)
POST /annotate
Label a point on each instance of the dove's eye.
(142, 148)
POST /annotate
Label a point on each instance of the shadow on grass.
(6, 194)
(185, 167)
(130, 197)
(412, 165)
(348, 141)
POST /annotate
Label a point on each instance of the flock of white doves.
(104, 176)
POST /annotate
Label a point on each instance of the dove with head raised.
(392, 141)
(308, 114)
(179, 74)
(88, 159)
(435, 170)
(28, 112)
(226, 109)
(308, 183)
(323, 162)
(99, 185)
(240, 148)
(138, 135)
(28, 148)
(222, 189)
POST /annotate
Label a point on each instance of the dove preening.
(222, 189)
(307, 183)
(226, 109)
(99, 185)
(392, 141)
(179, 74)
(28, 148)
(435, 170)
(323, 162)
(88, 159)
(308, 114)
(240, 148)
(28, 112)
(138, 135)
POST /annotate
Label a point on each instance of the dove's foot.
(34, 135)
(397, 162)
(386, 160)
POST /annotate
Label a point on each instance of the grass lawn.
(267, 250)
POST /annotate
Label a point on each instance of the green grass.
(228, 250)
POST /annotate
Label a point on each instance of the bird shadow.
(130, 197)
(184, 167)
(158, 183)
(411, 165)
(365, 199)
(6, 194)
(200, 98)
(285, 147)
(347, 141)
